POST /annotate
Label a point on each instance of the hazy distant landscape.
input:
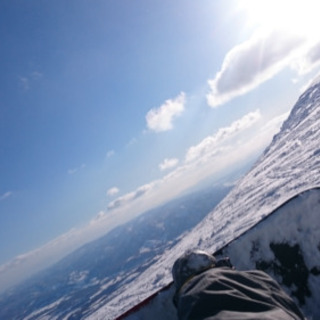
(97, 269)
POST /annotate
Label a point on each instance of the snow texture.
(290, 165)
(294, 227)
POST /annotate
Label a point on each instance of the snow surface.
(295, 223)
(290, 165)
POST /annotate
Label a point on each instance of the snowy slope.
(72, 288)
(285, 244)
(289, 165)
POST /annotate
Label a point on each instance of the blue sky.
(109, 108)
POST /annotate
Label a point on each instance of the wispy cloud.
(275, 124)
(309, 60)
(75, 170)
(209, 145)
(160, 119)
(100, 216)
(31, 262)
(168, 164)
(112, 191)
(5, 195)
(26, 81)
(130, 197)
(251, 63)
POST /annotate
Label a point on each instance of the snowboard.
(285, 244)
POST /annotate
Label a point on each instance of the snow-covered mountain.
(85, 279)
(290, 165)
(285, 244)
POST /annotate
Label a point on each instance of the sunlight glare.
(296, 16)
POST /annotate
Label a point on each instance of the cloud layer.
(309, 60)
(204, 159)
(130, 197)
(252, 62)
(168, 164)
(112, 192)
(209, 145)
(160, 119)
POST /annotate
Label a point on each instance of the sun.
(298, 16)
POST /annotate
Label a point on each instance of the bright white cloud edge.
(161, 119)
(258, 59)
(168, 163)
(113, 191)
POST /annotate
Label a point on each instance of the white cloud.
(209, 144)
(160, 119)
(213, 154)
(275, 124)
(309, 60)
(168, 164)
(112, 192)
(5, 195)
(129, 197)
(251, 63)
(98, 218)
(311, 82)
